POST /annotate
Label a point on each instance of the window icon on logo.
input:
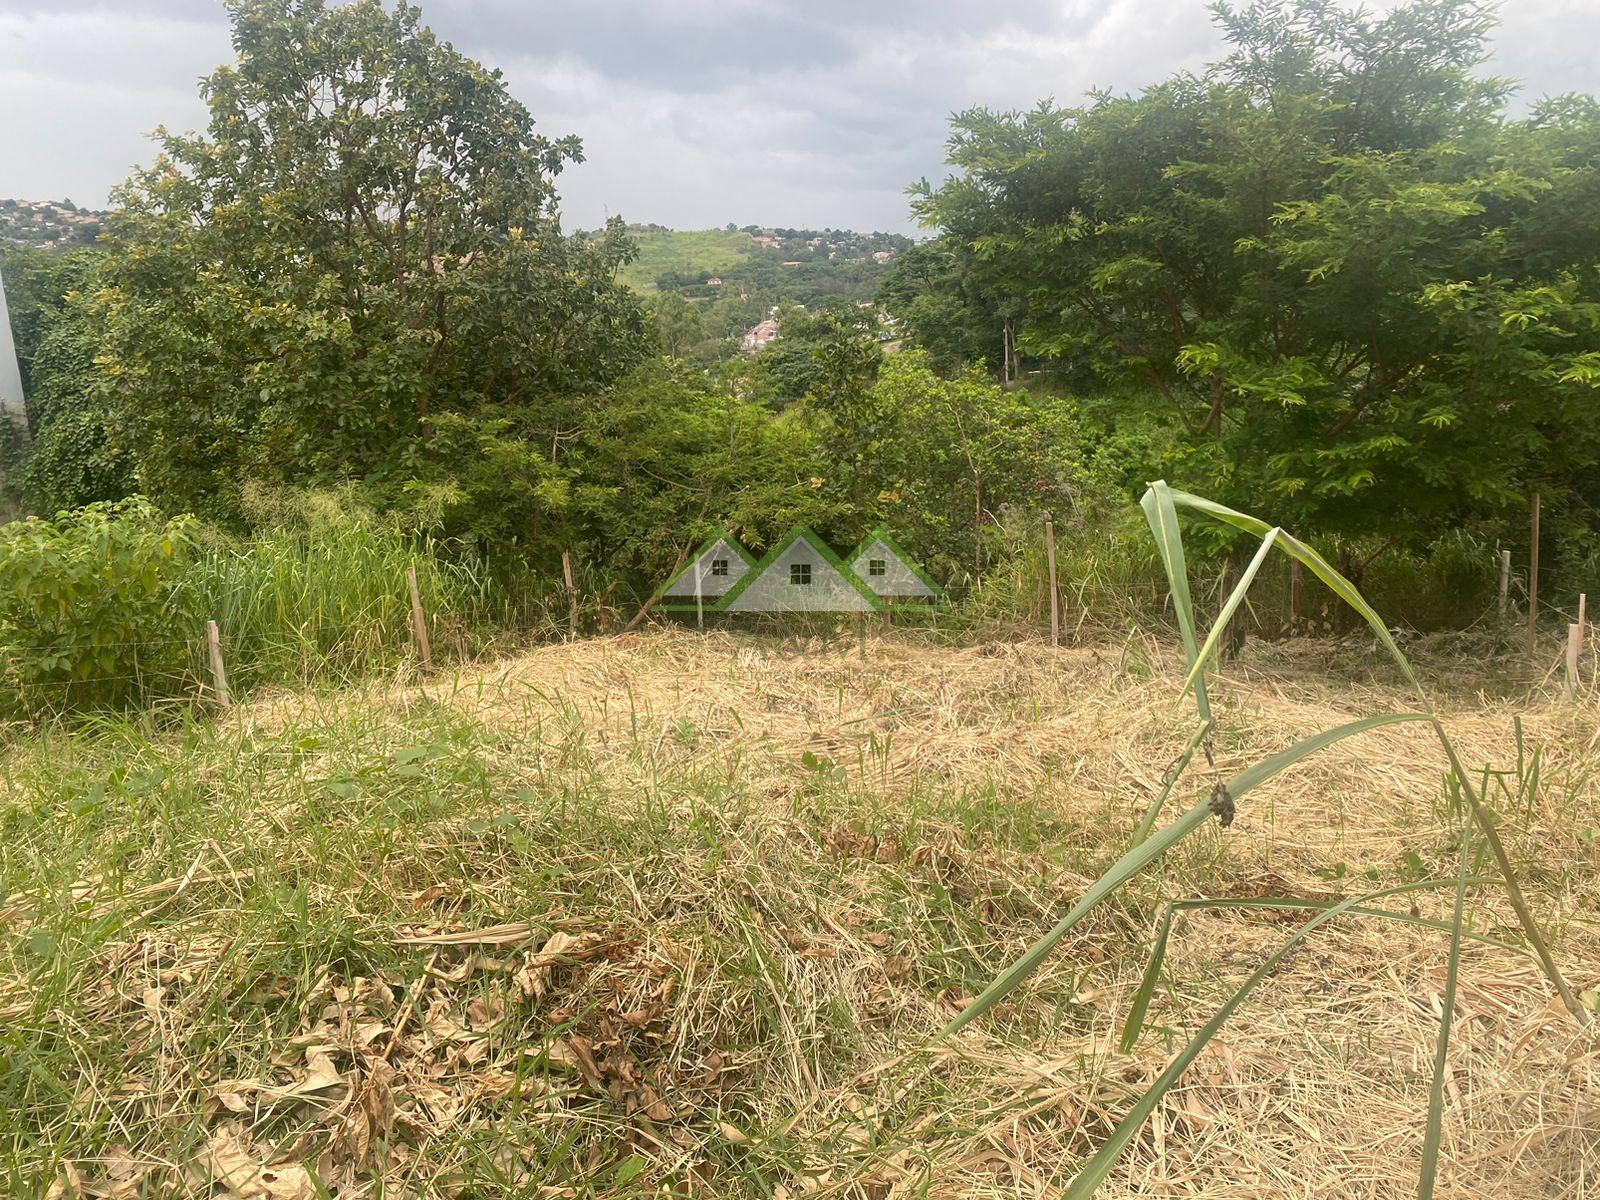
(719, 566)
(800, 574)
(876, 566)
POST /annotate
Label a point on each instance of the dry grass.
(681, 911)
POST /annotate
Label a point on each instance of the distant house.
(758, 336)
(794, 263)
(800, 574)
(765, 241)
(889, 571)
(714, 281)
(882, 256)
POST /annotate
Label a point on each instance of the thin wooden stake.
(219, 674)
(419, 621)
(1505, 582)
(1574, 640)
(572, 594)
(699, 601)
(1055, 593)
(1533, 577)
(1294, 593)
(1583, 617)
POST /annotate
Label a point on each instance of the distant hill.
(48, 223)
(683, 252)
(684, 260)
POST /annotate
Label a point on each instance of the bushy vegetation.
(1386, 340)
(93, 606)
(105, 607)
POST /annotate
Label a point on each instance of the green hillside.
(683, 252)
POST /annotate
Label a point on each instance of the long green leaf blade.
(1099, 1166)
(1220, 625)
(1133, 1024)
(1319, 566)
(1434, 1136)
(1162, 516)
(1142, 855)
(1174, 773)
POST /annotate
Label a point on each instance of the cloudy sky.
(693, 113)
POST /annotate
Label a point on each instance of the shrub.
(92, 611)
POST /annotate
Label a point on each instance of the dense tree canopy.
(1331, 279)
(362, 247)
(1363, 294)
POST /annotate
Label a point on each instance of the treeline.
(1330, 281)
(1333, 279)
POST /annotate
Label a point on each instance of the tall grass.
(1161, 505)
(329, 600)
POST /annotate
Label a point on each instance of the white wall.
(10, 374)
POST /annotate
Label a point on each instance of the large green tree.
(1364, 295)
(361, 252)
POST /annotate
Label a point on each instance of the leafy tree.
(672, 455)
(1363, 296)
(359, 257)
(678, 324)
(71, 461)
(937, 296)
(834, 349)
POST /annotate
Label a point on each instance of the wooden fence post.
(1583, 617)
(419, 621)
(1055, 592)
(1574, 640)
(699, 601)
(572, 595)
(219, 674)
(1294, 593)
(1533, 577)
(1505, 581)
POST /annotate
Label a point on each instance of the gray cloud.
(692, 112)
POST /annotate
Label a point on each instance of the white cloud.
(692, 113)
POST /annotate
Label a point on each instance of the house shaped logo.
(889, 571)
(800, 574)
(709, 574)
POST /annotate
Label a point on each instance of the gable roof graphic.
(901, 576)
(712, 586)
(800, 574)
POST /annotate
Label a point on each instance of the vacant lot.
(678, 914)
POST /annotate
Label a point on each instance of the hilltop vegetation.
(682, 253)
